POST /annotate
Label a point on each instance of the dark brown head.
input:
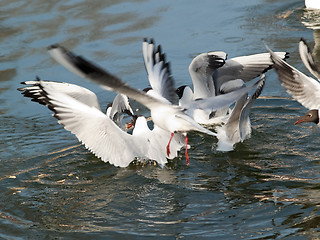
(311, 116)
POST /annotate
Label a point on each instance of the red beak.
(129, 125)
(300, 121)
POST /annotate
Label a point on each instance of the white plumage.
(96, 130)
(312, 4)
(169, 117)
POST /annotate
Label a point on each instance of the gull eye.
(309, 115)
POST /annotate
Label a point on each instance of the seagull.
(78, 110)
(312, 4)
(304, 89)
(213, 74)
(169, 117)
(117, 110)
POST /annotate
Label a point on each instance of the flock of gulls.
(219, 103)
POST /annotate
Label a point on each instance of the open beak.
(129, 125)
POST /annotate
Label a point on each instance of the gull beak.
(302, 119)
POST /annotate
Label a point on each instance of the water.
(52, 187)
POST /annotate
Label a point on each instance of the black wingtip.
(287, 55)
(53, 46)
(148, 40)
(147, 89)
(303, 40)
(159, 50)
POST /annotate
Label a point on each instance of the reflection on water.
(267, 188)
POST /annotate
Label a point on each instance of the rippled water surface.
(53, 188)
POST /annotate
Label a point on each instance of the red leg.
(168, 146)
(186, 152)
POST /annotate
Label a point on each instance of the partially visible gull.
(312, 4)
(118, 109)
(304, 89)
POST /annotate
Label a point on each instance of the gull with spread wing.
(304, 89)
(78, 110)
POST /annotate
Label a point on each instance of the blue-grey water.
(53, 188)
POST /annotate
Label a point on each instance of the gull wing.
(244, 67)
(217, 102)
(86, 69)
(79, 93)
(92, 127)
(201, 69)
(120, 104)
(158, 70)
(119, 108)
(239, 117)
(307, 59)
(244, 119)
(302, 88)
